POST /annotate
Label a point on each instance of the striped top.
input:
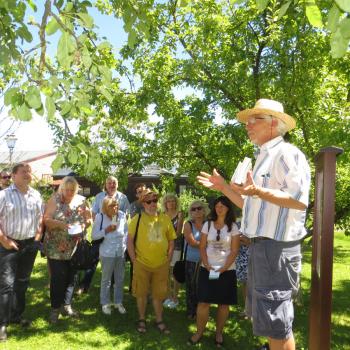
(280, 166)
(20, 213)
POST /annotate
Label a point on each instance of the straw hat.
(269, 107)
(146, 193)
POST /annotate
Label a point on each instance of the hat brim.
(243, 116)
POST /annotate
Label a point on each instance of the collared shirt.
(20, 213)
(121, 198)
(280, 166)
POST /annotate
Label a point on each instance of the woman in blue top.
(197, 212)
(111, 225)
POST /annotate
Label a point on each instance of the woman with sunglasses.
(217, 284)
(197, 213)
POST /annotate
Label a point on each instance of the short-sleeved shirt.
(20, 214)
(121, 198)
(154, 234)
(279, 166)
(218, 251)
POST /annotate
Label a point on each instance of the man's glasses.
(152, 201)
(196, 208)
(218, 235)
(6, 177)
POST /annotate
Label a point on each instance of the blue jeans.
(61, 282)
(15, 270)
(116, 267)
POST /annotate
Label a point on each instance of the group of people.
(273, 200)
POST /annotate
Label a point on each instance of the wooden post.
(322, 250)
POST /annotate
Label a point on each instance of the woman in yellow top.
(150, 254)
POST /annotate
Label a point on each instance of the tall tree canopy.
(192, 64)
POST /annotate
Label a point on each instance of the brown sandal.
(162, 327)
(141, 326)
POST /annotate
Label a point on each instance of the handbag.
(180, 266)
(82, 258)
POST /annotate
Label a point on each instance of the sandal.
(219, 343)
(141, 326)
(190, 341)
(162, 327)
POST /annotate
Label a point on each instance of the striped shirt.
(20, 213)
(280, 166)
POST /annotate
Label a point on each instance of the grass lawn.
(95, 330)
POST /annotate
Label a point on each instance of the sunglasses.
(253, 120)
(6, 177)
(196, 208)
(152, 201)
(218, 235)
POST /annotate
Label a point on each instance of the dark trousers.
(61, 282)
(15, 269)
(87, 278)
(191, 288)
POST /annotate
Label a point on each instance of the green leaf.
(50, 108)
(33, 97)
(344, 5)
(57, 163)
(106, 94)
(73, 156)
(282, 11)
(9, 94)
(313, 14)
(333, 18)
(345, 27)
(65, 107)
(52, 27)
(66, 46)
(262, 4)
(24, 113)
(86, 58)
(25, 34)
(87, 19)
(339, 44)
(69, 7)
(40, 110)
(132, 38)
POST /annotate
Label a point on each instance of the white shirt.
(20, 213)
(218, 251)
(280, 166)
(114, 243)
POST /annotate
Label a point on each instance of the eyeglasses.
(196, 208)
(253, 120)
(6, 177)
(218, 235)
(152, 201)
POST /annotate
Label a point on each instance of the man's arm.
(278, 197)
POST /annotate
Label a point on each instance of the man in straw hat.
(150, 246)
(273, 199)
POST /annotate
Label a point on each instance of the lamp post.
(11, 142)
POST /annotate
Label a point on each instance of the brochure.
(75, 229)
(240, 174)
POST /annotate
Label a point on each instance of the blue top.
(192, 252)
(114, 243)
(121, 198)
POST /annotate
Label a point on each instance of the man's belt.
(258, 239)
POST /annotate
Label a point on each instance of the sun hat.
(269, 107)
(146, 193)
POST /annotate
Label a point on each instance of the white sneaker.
(120, 308)
(173, 304)
(106, 309)
(167, 302)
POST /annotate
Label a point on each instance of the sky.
(36, 135)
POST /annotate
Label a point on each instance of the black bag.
(83, 258)
(179, 267)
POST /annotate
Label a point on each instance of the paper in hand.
(240, 175)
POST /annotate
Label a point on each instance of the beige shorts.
(154, 280)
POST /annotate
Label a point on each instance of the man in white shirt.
(273, 199)
(20, 233)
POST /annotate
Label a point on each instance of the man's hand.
(214, 181)
(110, 228)
(249, 188)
